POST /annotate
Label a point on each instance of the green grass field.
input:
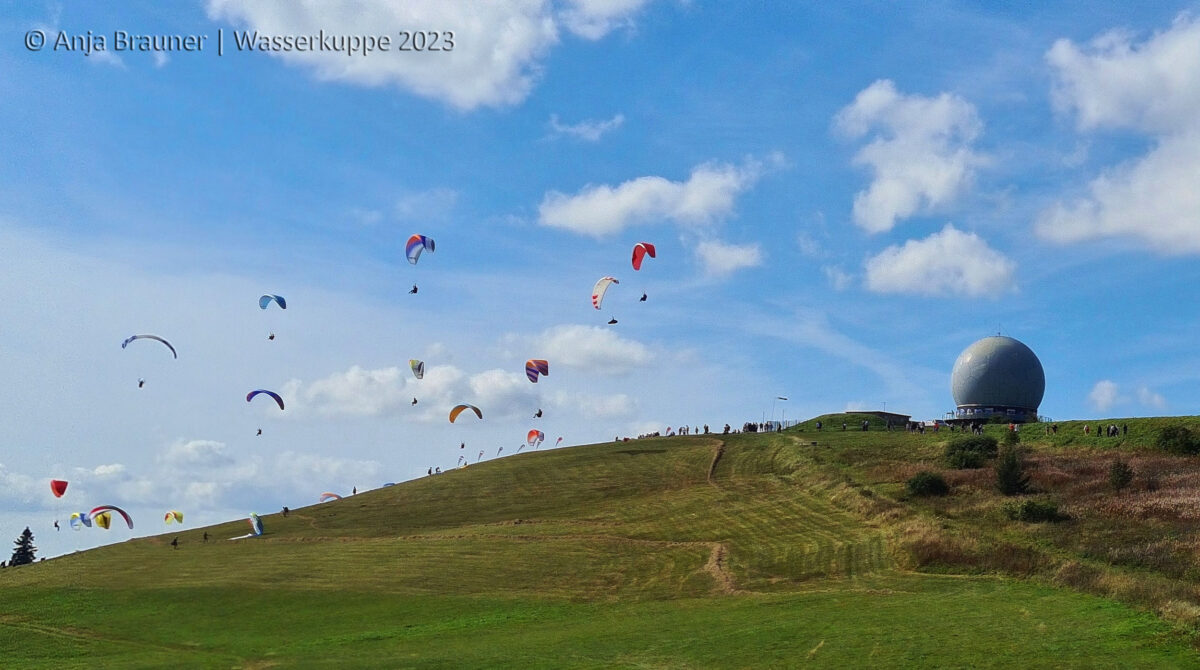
(731, 551)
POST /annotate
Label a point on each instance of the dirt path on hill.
(717, 454)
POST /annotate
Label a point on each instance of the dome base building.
(997, 377)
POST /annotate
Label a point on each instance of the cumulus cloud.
(589, 131)
(721, 260)
(359, 392)
(497, 46)
(1113, 82)
(947, 263)
(1104, 395)
(435, 204)
(599, 210)
(591, 349)
(1151, 87)
(196, 453)
(921, 154)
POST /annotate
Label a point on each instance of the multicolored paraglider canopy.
(256, 524)
(278, 400)
(418, 367)
(266, 300)
(640, 251)
(58, 487)
(149, 337)
(535, 437)
(600, 289)
(458, 409)
(107, 508)
(330, 496)
(416, 244)
(536, 366)
(80, 519)
(173, 517)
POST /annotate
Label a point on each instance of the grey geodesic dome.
(1000, 373)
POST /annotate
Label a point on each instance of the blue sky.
(843, 197)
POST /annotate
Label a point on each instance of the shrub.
(1011, 478)
(1011, 438)
(1032, 511)
(969, 451)
(1120, 475)
(1177, 440)
(926, 483)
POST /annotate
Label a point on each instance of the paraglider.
(418, 368)
(105, 509)
(278, 400)
(536, 366)
(458, 409)
(141, 382)
(149, 337)
(79, 520)
(271, 337)
(600, 289)
(612, 321)
(58, 487)
(413, 290)
(266, 300)
(417, 244)
(329, 496)
(414, 401)
(256, 527)
(538, 414)
(259, 432)
(103, 520)
(558, 442)
(535, 437)
(643, 298)
(173, 517)
(640, 251)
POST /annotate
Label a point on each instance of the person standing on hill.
(175, 543)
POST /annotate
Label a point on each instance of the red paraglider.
(58, 487)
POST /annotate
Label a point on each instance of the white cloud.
(947, 263)
(110, 470)
(707, 195)
(838, 279)
(388, 392)
(1153, 88)
(1151, 399)
(196, 453)
(497, 45)
(721, 260)
(591, 349)
(921, 154)
(161, 59)
(106, 58)
(589, 131)
(1104, 395)
(593, 19)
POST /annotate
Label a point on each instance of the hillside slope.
(705, 551)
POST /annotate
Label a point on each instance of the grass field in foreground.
(746, 551)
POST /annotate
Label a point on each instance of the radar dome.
(998, 375)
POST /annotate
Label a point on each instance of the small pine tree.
(1120, 475)
(1011, 479)
(1011, 438)
(24, 553)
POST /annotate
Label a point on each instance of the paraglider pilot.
(141, 383)
(643, 298)
(413, 290)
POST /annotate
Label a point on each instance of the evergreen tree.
(25, 550)
(1010, 472)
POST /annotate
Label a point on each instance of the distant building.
(997, 376)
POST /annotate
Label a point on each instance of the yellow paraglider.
(173, 517)
(103, 519)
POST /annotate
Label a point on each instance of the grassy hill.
(705, 551)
